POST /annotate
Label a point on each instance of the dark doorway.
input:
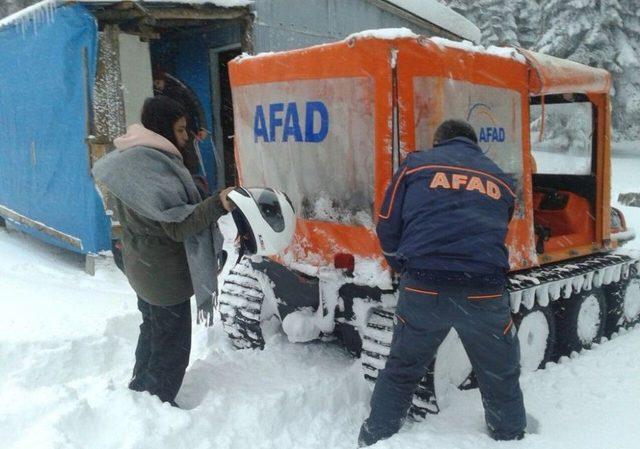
(223, 116)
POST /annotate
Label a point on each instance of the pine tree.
(495, 18)
(528, 17)
(626, 107)
(599, 33)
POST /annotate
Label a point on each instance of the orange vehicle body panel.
(411, 61)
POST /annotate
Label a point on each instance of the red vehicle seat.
(566, 217)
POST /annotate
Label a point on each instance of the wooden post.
(90, 264)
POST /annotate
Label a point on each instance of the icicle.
(529, 297)
(598, 277)
(578, 283)
(568, 288)
(542, 295)
(617, 273)
(516, 300)
(608, 275)
(36, 14)
(625, 270)
(555, 290)
(588, 285)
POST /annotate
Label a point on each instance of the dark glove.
(396, 264)
(205, 313)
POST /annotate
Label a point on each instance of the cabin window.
(495, 114)
(314, 140)
(562, 134)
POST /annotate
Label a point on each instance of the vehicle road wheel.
(580, 320)
(537, 336)
(623, 300)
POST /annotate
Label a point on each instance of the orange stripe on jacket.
(393, 194)
(506, 329)
(484, 296)
(424, 292)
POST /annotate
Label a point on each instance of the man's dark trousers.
(164, 345)
(425, 313)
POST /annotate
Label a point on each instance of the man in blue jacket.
(443, 225)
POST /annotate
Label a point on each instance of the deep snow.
(66, 352)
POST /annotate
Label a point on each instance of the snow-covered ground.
(66, 352)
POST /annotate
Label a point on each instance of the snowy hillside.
(66, 351)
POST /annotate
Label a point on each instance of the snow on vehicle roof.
(504, 52)
(384, 33)
(401, 33)
(406, 33)
(42, 11)
(555, 75)
(442, 16)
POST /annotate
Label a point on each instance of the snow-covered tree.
(528, 17)
(599, 33)
(495, 18)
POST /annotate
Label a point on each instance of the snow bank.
(442, 16)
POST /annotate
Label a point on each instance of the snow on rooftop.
(38, 13)
(442, 16)
(222, 3)
(43, 11)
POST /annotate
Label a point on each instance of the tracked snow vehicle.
(329, 126)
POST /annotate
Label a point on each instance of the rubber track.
(376, 344)
(240, 303)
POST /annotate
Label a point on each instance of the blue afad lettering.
(281, 123)
(491, 134)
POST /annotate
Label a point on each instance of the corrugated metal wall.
(279, 26)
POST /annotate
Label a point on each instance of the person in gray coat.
(169, 241)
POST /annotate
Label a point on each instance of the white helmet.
(265, 220)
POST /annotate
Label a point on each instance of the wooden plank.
(26, 221)
(112, 15)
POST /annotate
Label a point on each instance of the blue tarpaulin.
(47, 72)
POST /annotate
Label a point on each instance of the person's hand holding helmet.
(226, 202)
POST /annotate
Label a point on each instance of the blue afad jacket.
(447, 209)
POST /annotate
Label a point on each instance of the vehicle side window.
(562, 132)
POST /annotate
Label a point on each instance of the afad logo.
(281, 122)
(481, 117)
